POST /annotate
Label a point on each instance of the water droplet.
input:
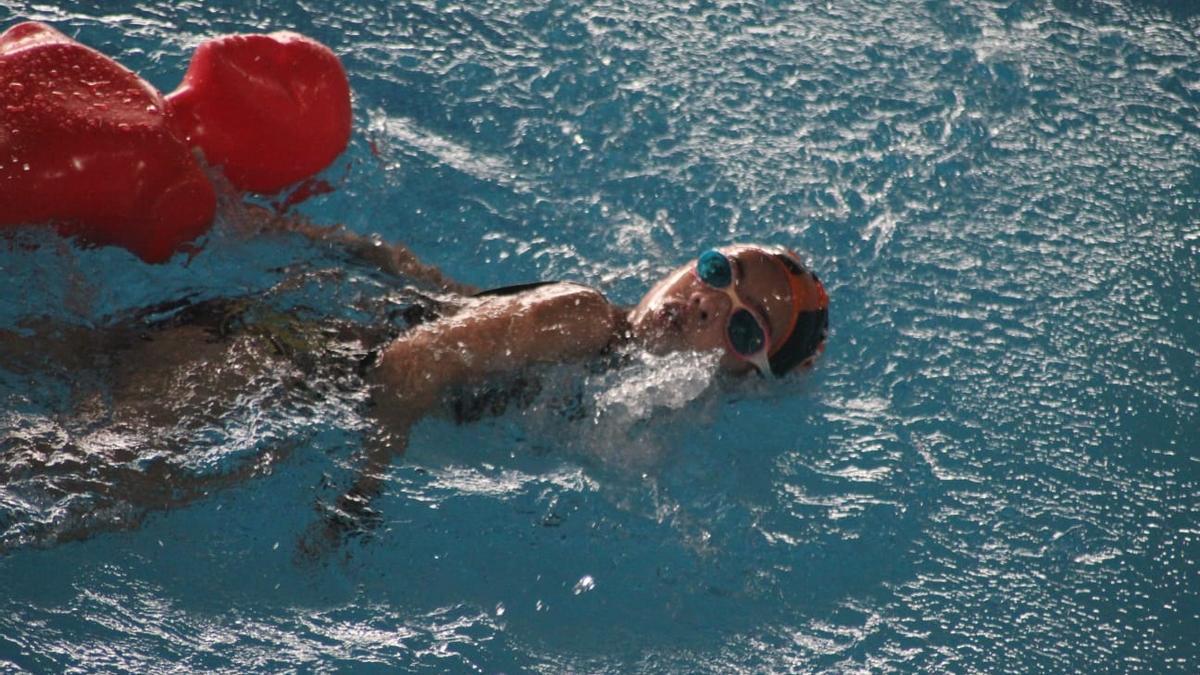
(500, 609)
(25, 166)
(17, 87)
(585, 584)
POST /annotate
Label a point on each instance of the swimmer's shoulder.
(506, 332)
(548, 298)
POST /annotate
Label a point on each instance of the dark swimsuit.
(514, 289)
(319, 351)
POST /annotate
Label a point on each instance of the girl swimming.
(179, 366)
(760, 307)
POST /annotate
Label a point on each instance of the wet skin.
(679, 313)
(682, 313)
(566, 322)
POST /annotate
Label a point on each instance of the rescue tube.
(86, 144)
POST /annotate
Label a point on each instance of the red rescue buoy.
(86, 144)
(269, 110)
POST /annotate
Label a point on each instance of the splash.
(637, 409)
(650, 383)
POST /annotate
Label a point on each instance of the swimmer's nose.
(705, 305)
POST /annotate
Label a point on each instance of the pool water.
(994, 467)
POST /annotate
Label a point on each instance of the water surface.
(993, 468)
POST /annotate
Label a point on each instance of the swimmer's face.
(682, 313)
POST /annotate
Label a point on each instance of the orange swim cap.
(809, 327)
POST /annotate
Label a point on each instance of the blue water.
(995, 466)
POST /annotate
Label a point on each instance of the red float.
(270, 110)
(85, 144)
(89, 146)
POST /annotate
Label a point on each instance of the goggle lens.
(714, 269)
(745, 334)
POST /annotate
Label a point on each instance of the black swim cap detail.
(810, 328)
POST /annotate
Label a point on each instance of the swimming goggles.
(747, 333)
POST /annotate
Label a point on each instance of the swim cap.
(805, 337)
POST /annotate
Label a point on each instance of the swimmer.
(759, 307)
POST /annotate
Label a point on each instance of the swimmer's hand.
(351, 517)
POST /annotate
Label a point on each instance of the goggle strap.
(794, 273)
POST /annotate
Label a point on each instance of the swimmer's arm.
(394, 259)
(503, 334)
(45, 343)
(506, 334)
(352, 512)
